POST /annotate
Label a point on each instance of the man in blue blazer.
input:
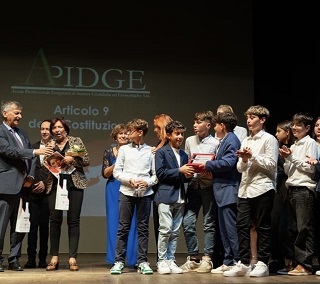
(17, 168)
(226, 180)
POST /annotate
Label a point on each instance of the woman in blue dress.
(120, 136)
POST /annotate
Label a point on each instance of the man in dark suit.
(38, 205)
(17, 168)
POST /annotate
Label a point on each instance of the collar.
(257, 136)
(137, 146)
(205, 138)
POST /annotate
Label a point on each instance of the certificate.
(198, 158)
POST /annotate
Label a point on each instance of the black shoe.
(15, 265)
(31, 263)
(275, 266)
(1, 267)
(42, 263)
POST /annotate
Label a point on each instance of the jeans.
(195, 199)
(170, 219)
(301, 216)
(127, 204)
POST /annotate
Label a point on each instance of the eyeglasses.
(132, 131)
(296, 125)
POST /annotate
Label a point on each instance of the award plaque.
(198, 158)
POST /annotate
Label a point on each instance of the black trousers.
(257, 209)
(73, 221)
(39, 223)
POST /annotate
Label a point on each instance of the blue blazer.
(226, 178)
(170, 180)
(13, 168)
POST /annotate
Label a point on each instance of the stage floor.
(93, 269)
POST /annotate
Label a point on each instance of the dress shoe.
(1, 267)
(52, 266)
(42, 263)
(73, 266)
(31, 263)
(15, 266)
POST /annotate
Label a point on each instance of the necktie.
(20, 146)
(16, 138)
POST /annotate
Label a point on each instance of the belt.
(297, 187)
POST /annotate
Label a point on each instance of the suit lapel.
(173, 156)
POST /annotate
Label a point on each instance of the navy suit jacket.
(226, 178)
(13, 168)
(169, 177)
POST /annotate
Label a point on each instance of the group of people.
(258, 192)
(25, 178)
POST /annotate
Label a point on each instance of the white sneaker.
(259, 270)
(205, 265)
(318, 273)
(163, 267)
(221, 269)
(190, 266)
(117, 268)
(174, 267)
(144, 268)
(239, 269)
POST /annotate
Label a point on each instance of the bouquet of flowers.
(75, 150)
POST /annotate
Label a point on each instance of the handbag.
(62, 200)
(23, 218)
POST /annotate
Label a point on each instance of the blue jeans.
(195, 199)
(170, 219)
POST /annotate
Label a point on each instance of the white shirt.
(259, 173)
(240, 132)
(177, 155)
(299, 172)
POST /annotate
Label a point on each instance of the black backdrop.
(284, 48)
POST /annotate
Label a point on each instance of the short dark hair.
(46, 120)
(303, 117)
(229, 119)
(63, 122)
(175, 125)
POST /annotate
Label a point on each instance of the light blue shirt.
(137, 163)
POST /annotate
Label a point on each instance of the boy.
(199, 194)
(134, 168)
(225, 186)
(301, 191)
(257, 163)
(239, 131)
(172, 171)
